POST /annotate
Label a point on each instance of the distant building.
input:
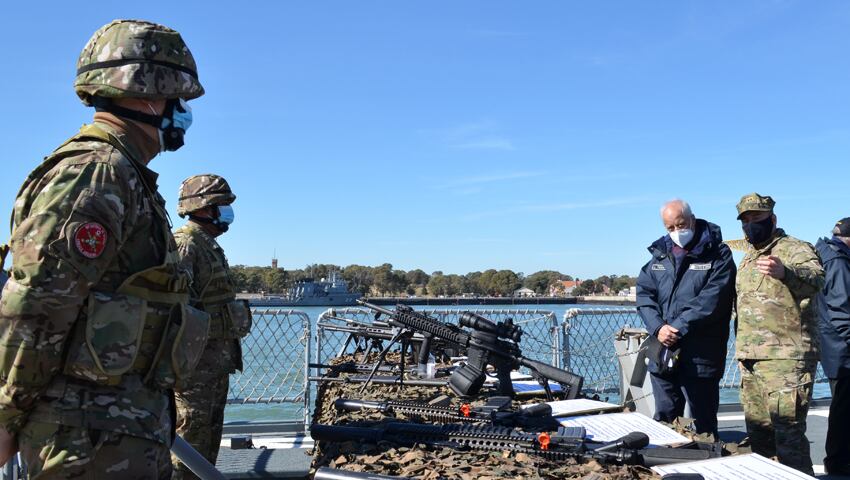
(563, 288)
(524, 292)
(628, 292)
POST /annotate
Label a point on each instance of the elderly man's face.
(675, 219)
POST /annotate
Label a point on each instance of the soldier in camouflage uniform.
(776, 334)
(95, 326)
(206, 200)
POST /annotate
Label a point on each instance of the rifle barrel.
(375, 307)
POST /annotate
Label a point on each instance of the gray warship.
(330, 292)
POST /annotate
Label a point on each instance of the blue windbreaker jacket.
(695, 296)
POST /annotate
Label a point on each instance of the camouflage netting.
(430, 463)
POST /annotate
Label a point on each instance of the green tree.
(360, 279)
(275, 280)
(540, 281)
(438, 284)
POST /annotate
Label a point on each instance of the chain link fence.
(588, 345)
(275, 356)
(588, 348)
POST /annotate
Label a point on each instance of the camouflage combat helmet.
(134, 58)
(201, 191)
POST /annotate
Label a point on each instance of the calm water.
(235, 413)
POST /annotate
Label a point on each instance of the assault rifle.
(497, 411)
(351, 367)
(496, 344)
(566, 443)
(384, 380)
(368, 338)
(325, 473)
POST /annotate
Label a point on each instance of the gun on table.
(497, 411)
(567, 443)
(372, 337)
(384, 380)
(489, 343)
(325, 473)
(333, 371)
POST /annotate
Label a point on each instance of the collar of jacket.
(837, 246)
(142, 146)
(708, 237)
(198, 228)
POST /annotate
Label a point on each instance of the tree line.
(385, 280)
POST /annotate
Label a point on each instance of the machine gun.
(566, 443)
(497, 411)
(496, 344)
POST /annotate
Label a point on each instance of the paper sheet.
(737, 467)
(562, 408)
(611, 426)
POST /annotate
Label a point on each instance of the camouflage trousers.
(775, 395)
(54, 451)
(200, 416)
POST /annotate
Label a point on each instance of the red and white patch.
(90, 239)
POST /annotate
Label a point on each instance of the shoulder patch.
(658, 266)
(700, 266)
(90, 239)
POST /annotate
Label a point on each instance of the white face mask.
(682, 237)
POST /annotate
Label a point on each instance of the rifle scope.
(505, 329)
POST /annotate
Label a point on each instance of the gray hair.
(686, 207)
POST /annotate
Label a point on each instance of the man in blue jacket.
(684, 295)
(834, 325)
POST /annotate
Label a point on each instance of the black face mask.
(758, 232)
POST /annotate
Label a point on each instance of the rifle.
(367, 338)
(497, 411)
(325, 473)
(351, 367)
(383, 380)
(489, 343)
(567, 443)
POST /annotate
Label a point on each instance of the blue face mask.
(174, 125)
(225, 214)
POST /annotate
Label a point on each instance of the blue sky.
(461, 135)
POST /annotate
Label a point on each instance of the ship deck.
(282, 450)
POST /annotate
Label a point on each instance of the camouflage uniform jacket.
(777, 318)
(212, 290)
(88, 187)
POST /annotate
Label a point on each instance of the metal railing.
(588, 340)
(275, 356)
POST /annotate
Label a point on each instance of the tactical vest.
(216, 293)
(134, 343)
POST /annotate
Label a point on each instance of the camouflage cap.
(753, 202)
(134, 58)
(199, 191)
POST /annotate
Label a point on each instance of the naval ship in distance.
(331, 292)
